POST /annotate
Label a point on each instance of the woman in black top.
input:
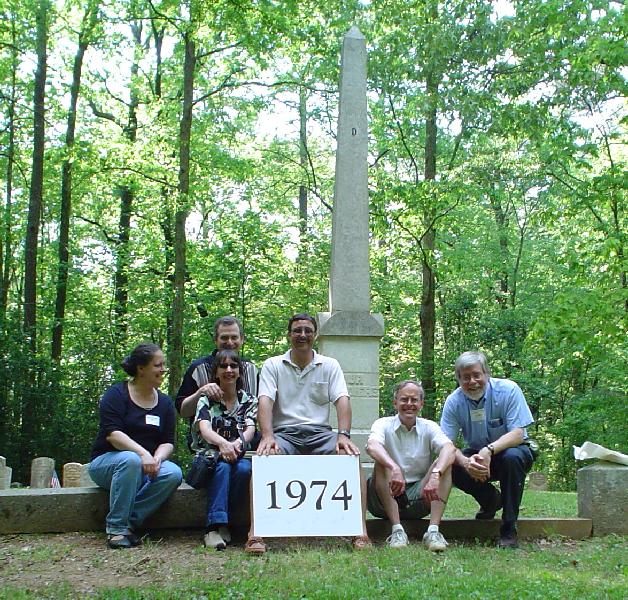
(135, 438)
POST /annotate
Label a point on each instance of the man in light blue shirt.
(492, 415)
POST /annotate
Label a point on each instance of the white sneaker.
(397, 539)
(212, 539)
(434, 541)
(225, 534)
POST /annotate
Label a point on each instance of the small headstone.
(537, 481)
(86, 480)
(603, 497)
(5, 474)
(72, 474)
(42, 469)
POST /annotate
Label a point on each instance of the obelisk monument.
(349, 332)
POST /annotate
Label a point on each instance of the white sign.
(306, 496)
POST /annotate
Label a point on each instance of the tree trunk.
(127, 196)
(5, 258)
(89, 21)
(37, 180)
(167, 218)
(428, 305)
(501, 220)
(303, 252)
(30, 397)
(175, 352)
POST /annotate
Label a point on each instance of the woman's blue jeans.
(228, 487)
(132, 496)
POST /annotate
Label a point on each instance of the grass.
(328, 569)
(549, 569)
(590, 569)
(534, 504)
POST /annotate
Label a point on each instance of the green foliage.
(528, 204)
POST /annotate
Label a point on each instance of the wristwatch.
(345, 432)
(491, 449)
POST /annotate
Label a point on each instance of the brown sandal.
(255, 545)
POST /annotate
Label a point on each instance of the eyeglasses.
(409, 399)
(303, 330)
(229, 366)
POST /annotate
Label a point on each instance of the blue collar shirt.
(502, 409)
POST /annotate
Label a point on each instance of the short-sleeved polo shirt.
(302, 396)
(411, 449)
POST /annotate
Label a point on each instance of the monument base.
(352, 338)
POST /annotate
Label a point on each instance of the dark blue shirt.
(148, 427)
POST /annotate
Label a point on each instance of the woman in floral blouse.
(225, 428)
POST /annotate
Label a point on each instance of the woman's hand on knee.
(150, 465)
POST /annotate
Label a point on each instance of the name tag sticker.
(477, 415)
(152, 420)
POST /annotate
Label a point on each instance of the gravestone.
(537, 481)
(5, 474)
(86, 480)
(603, 497)
(72, 474)
(349, 332)
(42, 469)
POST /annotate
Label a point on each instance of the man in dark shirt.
(228, 335)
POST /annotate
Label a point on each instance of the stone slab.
(83, 509)
(603, 497)
(464, 529)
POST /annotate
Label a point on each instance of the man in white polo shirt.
(407, 483)
(296, 391)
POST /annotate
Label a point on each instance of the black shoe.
(136, 540)
(508, 540)
(489, 512)
(117, 541)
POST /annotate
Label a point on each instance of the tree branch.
(404, 142)
(111, 239)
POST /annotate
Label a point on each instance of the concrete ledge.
(461, 529)
(84, 509)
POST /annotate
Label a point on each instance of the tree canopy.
(165, 163)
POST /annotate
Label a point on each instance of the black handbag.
(201, 470)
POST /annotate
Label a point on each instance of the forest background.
(165, 163)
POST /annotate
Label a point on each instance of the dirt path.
(83, 563)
